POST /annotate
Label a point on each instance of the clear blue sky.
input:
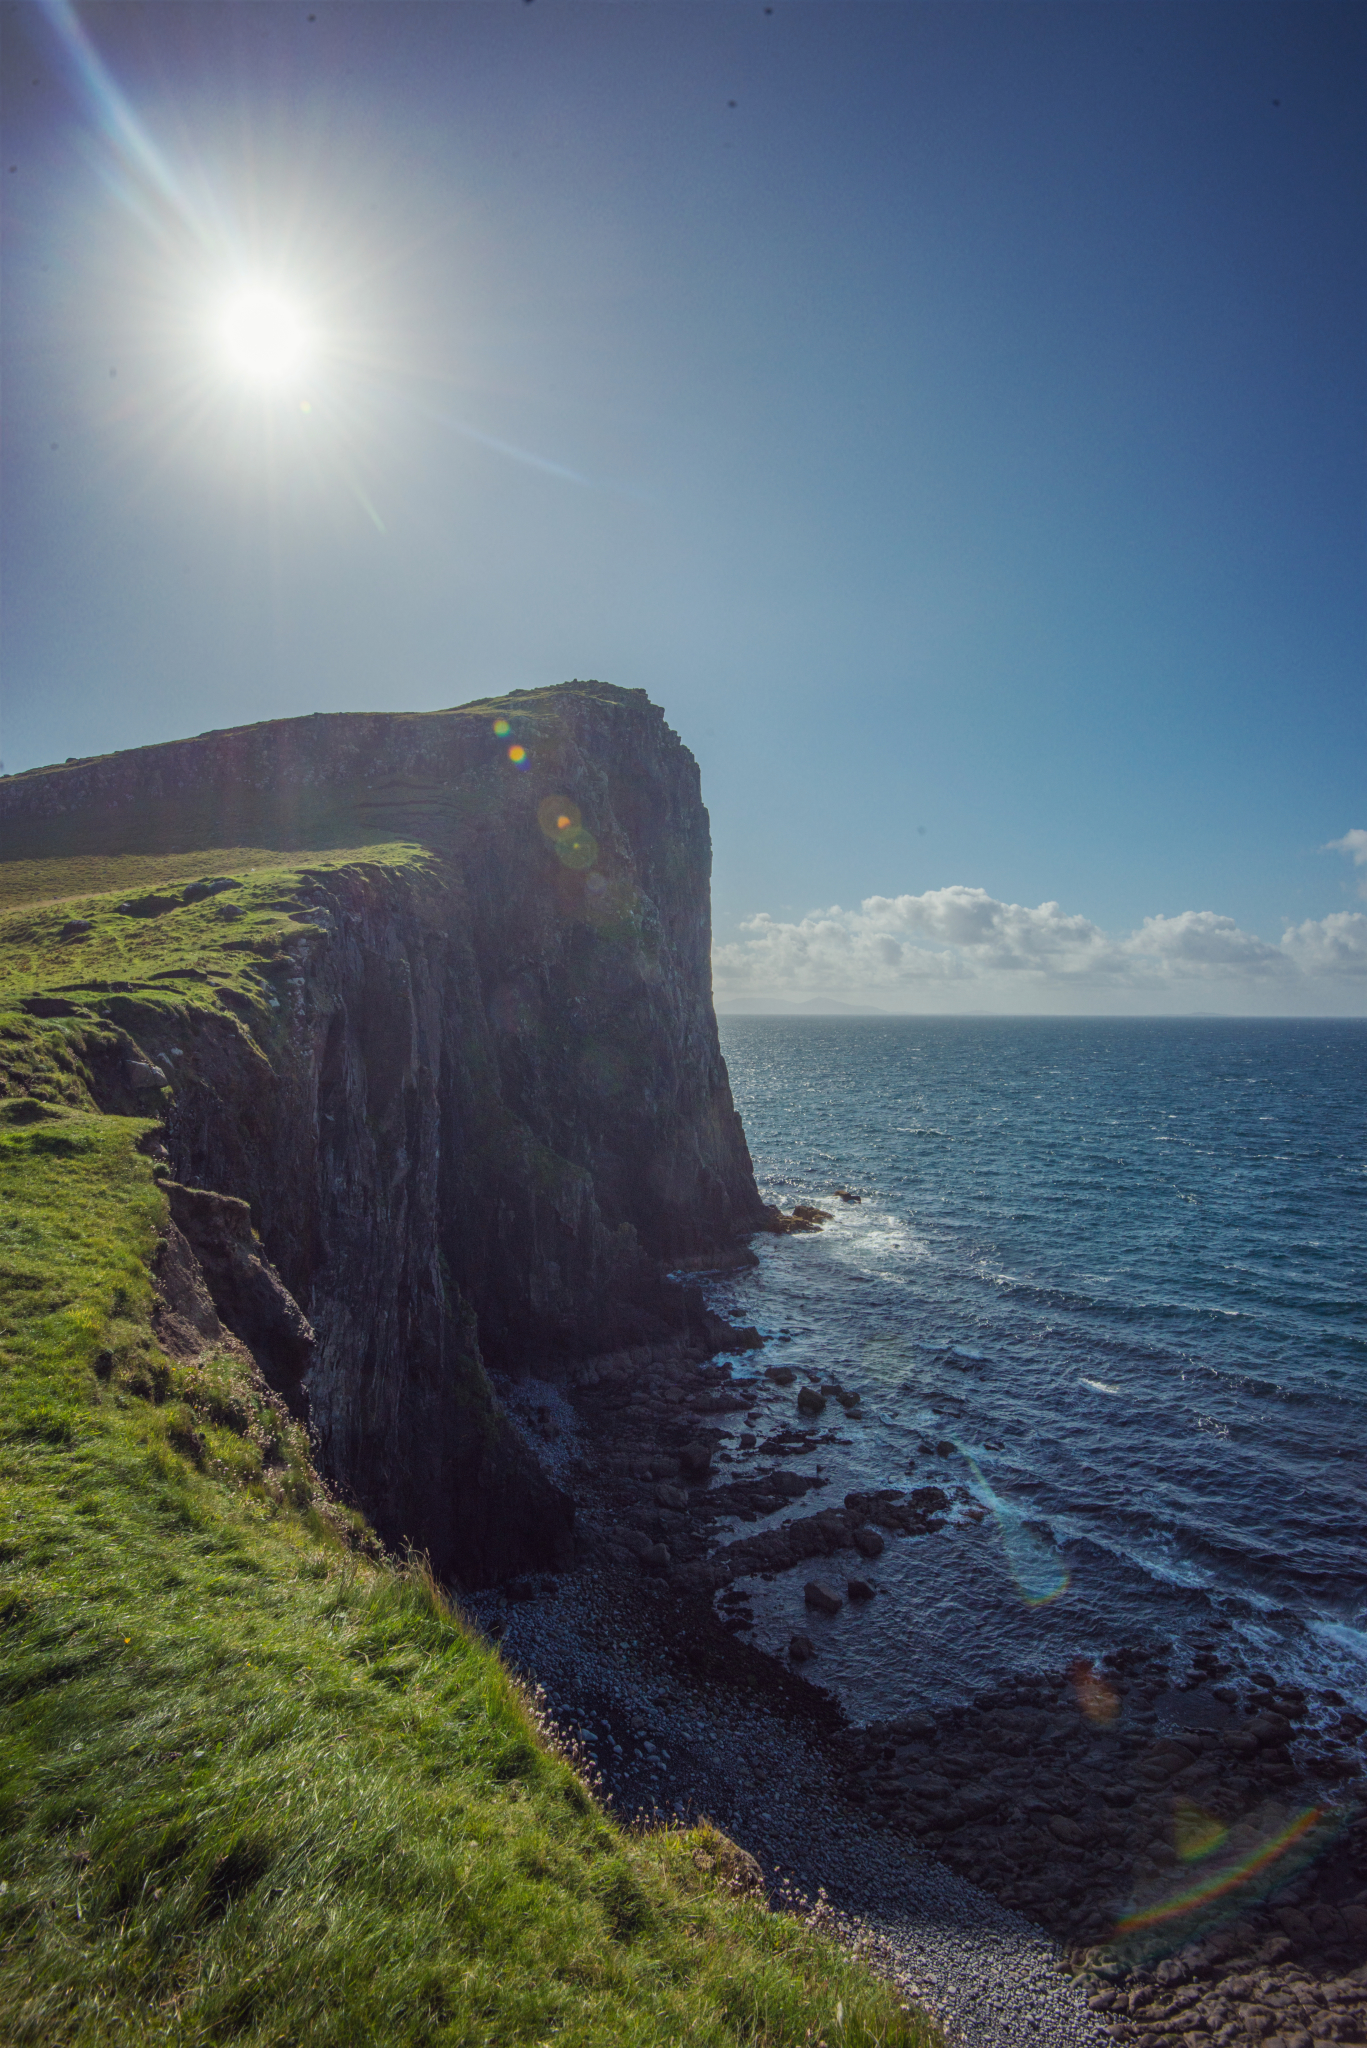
(961, 435)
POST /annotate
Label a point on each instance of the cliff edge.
(430, 995)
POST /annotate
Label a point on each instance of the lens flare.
(1196, 1834)
(1039, 1576)
(501, 728)
(1098, 1701)
(556, 815)
(517, 755)
(1251, 1875)
(577, 848)
(562, 823)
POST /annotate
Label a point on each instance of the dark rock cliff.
(480, 1103)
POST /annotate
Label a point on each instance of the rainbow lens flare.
(517, 755)
(501, 728)
(1040, 1577)
(1247, 1873)
(1195, 1833)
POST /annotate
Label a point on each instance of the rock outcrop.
(474, 1101)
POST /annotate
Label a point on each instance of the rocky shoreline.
(1189, 1836)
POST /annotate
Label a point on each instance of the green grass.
(217, 934)
(60, 879)
(257, 1783)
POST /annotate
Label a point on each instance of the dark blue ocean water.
(1116, 1268)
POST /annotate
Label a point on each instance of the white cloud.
(960, 946)
(1336, 944)
(1201, 942)
(1354, 844)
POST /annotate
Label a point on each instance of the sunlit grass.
(257, 1784)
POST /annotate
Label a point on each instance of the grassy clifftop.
(257, 1782)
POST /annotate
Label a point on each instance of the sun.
(262, 336)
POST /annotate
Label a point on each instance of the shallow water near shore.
(1105, 1284)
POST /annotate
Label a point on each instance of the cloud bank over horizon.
(956, 946)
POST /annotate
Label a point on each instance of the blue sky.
(961, 435)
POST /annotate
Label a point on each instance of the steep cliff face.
(470, 1087)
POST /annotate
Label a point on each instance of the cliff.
(431, 996)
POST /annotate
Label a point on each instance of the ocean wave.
(1168, 1374)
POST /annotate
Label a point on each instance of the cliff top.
(244, 796)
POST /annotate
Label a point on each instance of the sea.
(1105, 1284)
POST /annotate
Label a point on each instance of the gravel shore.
(1057, 1803)
(664, 1744)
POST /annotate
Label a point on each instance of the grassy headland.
(257, 1782)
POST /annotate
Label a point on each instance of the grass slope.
(257, 1783)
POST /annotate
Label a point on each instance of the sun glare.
(262, 336)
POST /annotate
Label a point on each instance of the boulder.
(671, 1496)
(822, 1597)
(696, 1459)
(142, 1075)
(868, 1542)
(809, 1402)
(781, 1375)
(859, 1589)
(801, 1648)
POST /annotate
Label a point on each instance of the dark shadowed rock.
(473, 1100)
(246, 1292)
(185, 1318)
